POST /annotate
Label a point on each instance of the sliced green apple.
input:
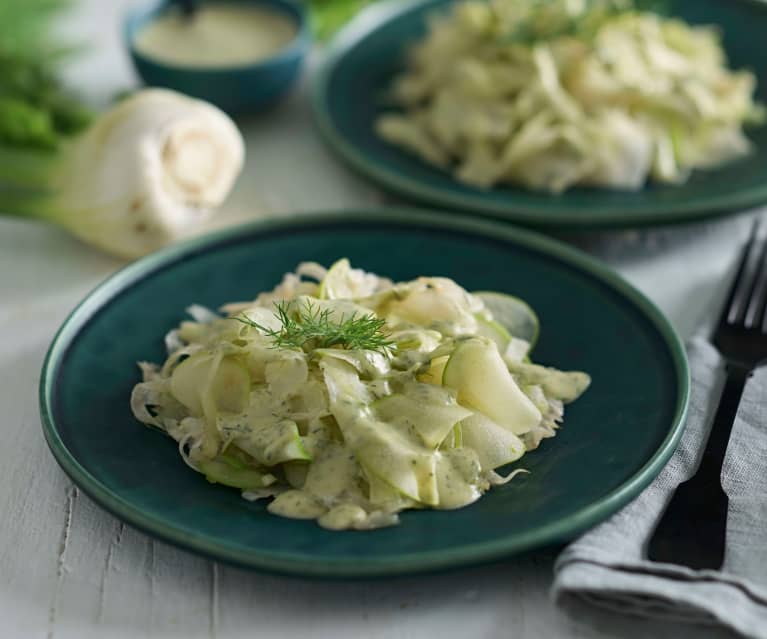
(434, 374)
(273, 442)
(494, 331)
(513, 314)
(432, 420)
(454, 438)
(478, 373)
(381, 492)
(495, 445)
(383, 452)
(229, 469)
(383, 449)
(227, 381)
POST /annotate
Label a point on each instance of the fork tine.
(740, 292)
(756, 307)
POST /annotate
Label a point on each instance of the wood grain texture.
(71, 571)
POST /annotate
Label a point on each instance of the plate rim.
(294, 563)
(367, 22)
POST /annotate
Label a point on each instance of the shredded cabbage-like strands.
(550, 94)
(499, 480)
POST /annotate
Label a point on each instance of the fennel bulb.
(142, 175)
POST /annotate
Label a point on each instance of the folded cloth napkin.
(607, 566)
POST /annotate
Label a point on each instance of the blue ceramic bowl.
(235, 89)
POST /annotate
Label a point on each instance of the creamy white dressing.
(343, 517)
(216, 35)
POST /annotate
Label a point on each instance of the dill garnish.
(311, 327)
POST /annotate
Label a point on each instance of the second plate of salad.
(554, 114)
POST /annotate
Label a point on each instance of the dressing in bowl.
(238, 54)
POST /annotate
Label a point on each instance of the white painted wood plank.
(183, 604)
(33, 492)
(68, 569)
(508, 599)
(121, 583)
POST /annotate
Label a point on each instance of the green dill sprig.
(311, 328)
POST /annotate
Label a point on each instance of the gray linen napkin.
(606, 566)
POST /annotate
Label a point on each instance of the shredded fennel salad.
(349, 398)
(549, 94)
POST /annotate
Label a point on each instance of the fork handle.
(692, 529)
(713, 456)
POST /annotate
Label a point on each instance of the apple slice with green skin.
(230, 470)
(495, 445)
(478, 373)
(512, 314)
(432, 420)
(434, 374)
(454, 439)
(384, 450)
(381, 493)
(494, 331)
(228, 383)
(395, 460)
(274, 442)
(219, 472)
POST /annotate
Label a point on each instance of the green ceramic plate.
(350, 92)
(615, 439)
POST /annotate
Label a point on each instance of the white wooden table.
(70, 570)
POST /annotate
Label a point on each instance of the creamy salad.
(550, 94)
(347, 398)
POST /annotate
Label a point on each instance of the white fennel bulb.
(144, 174)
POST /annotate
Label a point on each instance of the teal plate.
(350, 92)
(615, 439)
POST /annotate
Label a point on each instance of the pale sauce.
(217, 35)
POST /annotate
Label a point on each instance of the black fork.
(692, 530)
